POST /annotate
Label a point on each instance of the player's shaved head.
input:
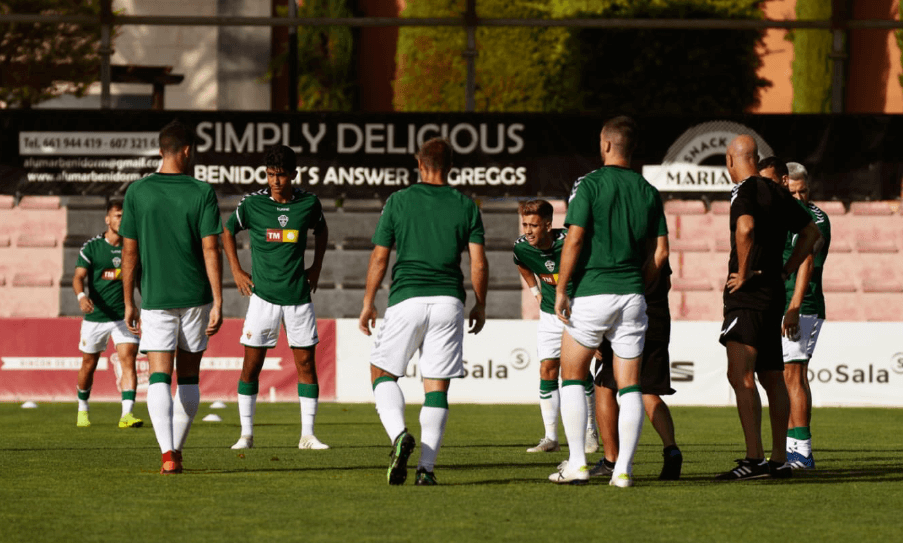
(742, 158)
(620, 132)
(436, 155)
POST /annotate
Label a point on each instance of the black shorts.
(759, 329)
(655, 371)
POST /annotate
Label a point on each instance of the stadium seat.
(4, 240)
(696, 226)
(2, 280)
(681, 284)
(504, 206)
(697, 305)
(685, 207)
(7, 201)
(37, 241)
(837, 282)
(878, 284)
(712, 266)
(346, 224)
(877, 309)
(843, 306)
(875, 208)
(373, 204)
(876, 240)
(689, 245)
(39, 202)
(833, 208)
(721, 207)
(82, 202)
(38, 279)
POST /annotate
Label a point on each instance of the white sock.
(185, 407)
(308, 415)
(247, 406)
(791, 444)
(127, 406)
(159, 406)
(549, 407)
(591, 408)
(630, 425)
(804, 446)
(573, 418)
(390, 406)
(83, 404)
(432, 429)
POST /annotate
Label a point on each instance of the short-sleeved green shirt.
(169, 215)
(430, 225)
(814, 300)
(104, 264)
(278, 233)
(620, 212)
(544, 263)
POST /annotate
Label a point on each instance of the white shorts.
(801, 348)
(262, 322)
(166, 329)
(94, 335)
(548, 336)
(620, 318)
(434, 325)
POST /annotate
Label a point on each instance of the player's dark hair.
(779, 166)
(538, 207)
(436, 154)
(281, 157)
(175, 136)
(621, 132)
(114, 204)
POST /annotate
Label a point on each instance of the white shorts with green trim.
(548, 336)
(432, 325)
(93, 336)
(620, 318)
(261, 328)
(167, 329)
(801, 348)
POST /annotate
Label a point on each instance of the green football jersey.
(103, 262)
(543, 263)
(430, 225)
(169, 215)
(620, 212)
(278, 233)
(814, 300)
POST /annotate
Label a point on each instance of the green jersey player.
(99, 268)
(805, 313)
(537, 254)
(430, 224)
(277, 220)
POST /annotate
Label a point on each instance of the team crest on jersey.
(550, 265)
(116, 261)
(283, 220)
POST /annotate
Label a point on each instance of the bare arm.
(129, 264)
(213, 262)
(479, 277)
(656, 261)
(790, 327)
(530, 279)
(743, 237)
(78, 285)
(321, 238)
(376, 270)
(242, 279)
(573, 244)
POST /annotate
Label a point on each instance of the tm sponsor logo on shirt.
(282, 236)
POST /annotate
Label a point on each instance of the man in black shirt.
(761, 215)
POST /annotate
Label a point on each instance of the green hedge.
(811, 60)
(567, 70)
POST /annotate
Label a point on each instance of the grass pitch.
(62, 483)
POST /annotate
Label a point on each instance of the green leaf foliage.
(811, 60)
(41, 61)
(570, 69)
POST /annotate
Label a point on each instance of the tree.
(41, 61)
(572, 69)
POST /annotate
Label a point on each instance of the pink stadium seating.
(874, 208)
(837, 282)
(6, 201)
(876, 308)
(2, 281)
(39, 279)
(697, 305)
(37, 240)
(692, 245)
(4, 240)
(721, 207)
(832, 208)
(711, 266)
(39, 202)
(681, 284)
(685, 207)
(842, 306)
(877, 285)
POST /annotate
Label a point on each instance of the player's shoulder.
(91, 242)
(558, 234)
(521, 243)
(257, 195)
(818, 214)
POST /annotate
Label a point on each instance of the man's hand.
(562, 306)
(791, 325)
(313, 277)
(215, 321)
(735, 282)
(86, 305)
(243, 282)
(367, 319)
(132, 319)
(477, 318)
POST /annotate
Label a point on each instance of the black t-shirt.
(657, 306)
(775, 213)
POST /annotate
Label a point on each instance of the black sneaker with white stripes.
(747, 468)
